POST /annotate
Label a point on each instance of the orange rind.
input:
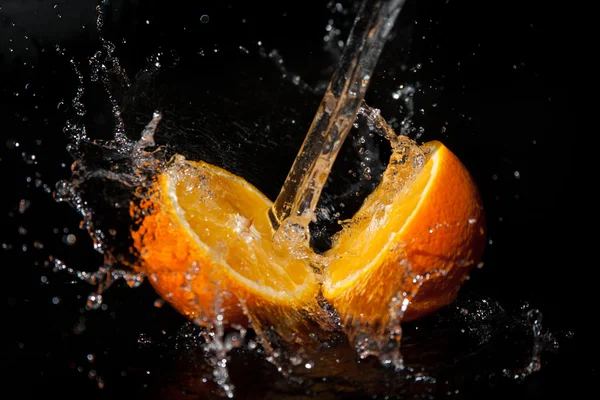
(418, 242)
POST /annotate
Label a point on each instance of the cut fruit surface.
(205, 241)
(206, 244)
(418, 241)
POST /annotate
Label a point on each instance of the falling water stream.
(337, 113)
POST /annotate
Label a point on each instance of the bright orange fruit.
(206, 244)
(424, 238)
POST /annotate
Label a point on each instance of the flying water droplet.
(94, 301)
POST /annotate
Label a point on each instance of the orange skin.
(452, 248)
(198, 287)
(168, 257)
(447, 247)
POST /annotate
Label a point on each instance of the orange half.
(205, 242)
(420, 240)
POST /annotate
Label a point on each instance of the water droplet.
(94, 301)
(204, 19)
(233, 340)
(144, 339)
(69, 239)
(158, 303)
(365, 80)
(12, 144)
(134, 280)
(534, 316)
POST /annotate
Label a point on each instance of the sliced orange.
(206, 244)
(423, 238)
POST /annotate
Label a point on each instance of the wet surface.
(493, 83)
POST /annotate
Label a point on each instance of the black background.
(499, 74)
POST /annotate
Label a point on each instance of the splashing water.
(128, 166)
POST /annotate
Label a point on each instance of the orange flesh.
(433, 230)
(380, 217)
(205, 243)
(232, 222)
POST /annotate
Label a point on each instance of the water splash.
(290, 76)
(534, 319)
(125, 162)
(130, 163)
(217, 349)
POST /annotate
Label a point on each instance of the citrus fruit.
(206, 244)
(205, 241)
(418, 242)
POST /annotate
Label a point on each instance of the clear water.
(336, 114)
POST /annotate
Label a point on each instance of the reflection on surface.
(453, 351)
